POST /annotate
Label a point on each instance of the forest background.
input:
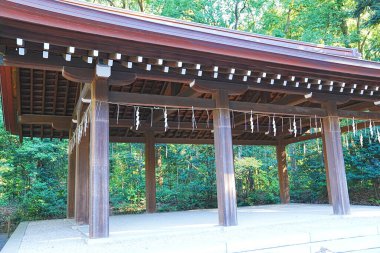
(33, 174)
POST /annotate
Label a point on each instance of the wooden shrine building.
(94, 75)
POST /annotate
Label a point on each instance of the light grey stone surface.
(274, 228)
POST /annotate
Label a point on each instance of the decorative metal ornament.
(166, 119)
(361, 139)
(251, 122)
(267, 132)
(137, 118)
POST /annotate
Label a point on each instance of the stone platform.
(273, 228)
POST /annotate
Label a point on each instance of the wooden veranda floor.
(273, 228)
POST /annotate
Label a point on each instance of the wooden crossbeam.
(57, 63)
(189, 141)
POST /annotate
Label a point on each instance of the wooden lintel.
(157, 100)
(57, 122)
(206, 86)
(191, 141)
(321, 98)
(277, 109)
(57, 63)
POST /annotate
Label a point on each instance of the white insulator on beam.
(230, 76)
(259, 80)
(297, 84)
(355, 85)
(232, 71)
(139, 59)
(320, 87)
(293, 78)
(200, 73)
(45, 54)
(129, 64)
(331, 88)
(20, 42)
(102, 70)
(249, 72)
(87, 59)
(366, 87)
(343, 85)
(306, 79)
(285, 83)
(309, 95)
(179, 64)
(371, 93)
(160, 62)
(215, 74)
(86, 100)
(377, 88)
(245, 78)
(264, 74)
(67, 57)
(198, 66)
(319, 81)
(271, 81)
(46, 46)
(166, 69)
(148, 67)
(93, 53)
(278, 76)
(216, 68)
(352, 91)
(341, 89)
(70, 50)
(361, 92)
(21, 51)
(308, 85)
(183, 71)
(115, 56)
(331, 82)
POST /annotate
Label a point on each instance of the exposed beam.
(57, 122)
(57, 63)
(190, 141)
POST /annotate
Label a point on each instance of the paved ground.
(275, 228)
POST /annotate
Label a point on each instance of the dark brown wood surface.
(99, 161)
(283, 173)
(150, 172)
(335, 162)
(82, 179)
(71, 185)
(224, 159)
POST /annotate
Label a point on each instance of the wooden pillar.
(225, 175)
(283, 173)
(71, 185)
(150, 172)
(82, 179)
(326, 168)
(99, 162)
(335, 161)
